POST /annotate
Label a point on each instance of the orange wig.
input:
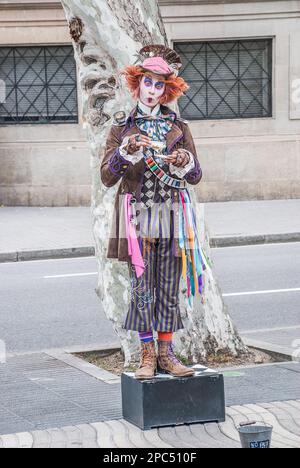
(175, 86)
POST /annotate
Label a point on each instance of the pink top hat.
(157, 65)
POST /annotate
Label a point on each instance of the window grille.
(228, 79)
(40, 85)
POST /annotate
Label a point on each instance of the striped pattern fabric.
(154, 301)
(146, 337)
(156, 222)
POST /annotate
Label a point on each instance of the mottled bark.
(106, 36)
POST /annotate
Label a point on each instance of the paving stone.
(58, 438)
(104, 435)
(10, 441)
(152, 435)
(137, 436)
(25, 439)
(184, 433)
(228, 428)
(169, 436)
(213, 430)
(41, 439)
(74, 436)
(120, 434)
(89, 435)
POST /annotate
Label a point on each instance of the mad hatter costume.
(152, 154)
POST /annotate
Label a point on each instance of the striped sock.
(165, 336)
(146, 336)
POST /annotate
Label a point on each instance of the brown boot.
(148, 362)
(168, 362)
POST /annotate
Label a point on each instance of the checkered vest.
(154, 190)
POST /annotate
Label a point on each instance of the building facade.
(240, 59)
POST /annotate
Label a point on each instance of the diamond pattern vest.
(154, 190)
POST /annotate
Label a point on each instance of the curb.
(89, 251)
(26, 255)
(234, 241)
(91, 369)
(278, 351)
(66, 355)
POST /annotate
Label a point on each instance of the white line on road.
(71, 274)
(267, 291)
(246, 293)
(262, 330)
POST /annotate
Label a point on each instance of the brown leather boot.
(148, 362)
(168, 362)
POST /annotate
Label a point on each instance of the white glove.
(133, 158)
(182, 171)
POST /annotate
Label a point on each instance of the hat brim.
(155, 72)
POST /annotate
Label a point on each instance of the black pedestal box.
(167, 400)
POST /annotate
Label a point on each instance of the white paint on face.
(152, 87)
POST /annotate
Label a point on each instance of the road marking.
(267, 291)
(70, 275)
(262, 330)
(246, 293)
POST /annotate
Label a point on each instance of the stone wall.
(242, 159)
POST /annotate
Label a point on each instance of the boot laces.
(147, 355)
(171, 354)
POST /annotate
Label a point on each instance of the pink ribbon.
(133, 245)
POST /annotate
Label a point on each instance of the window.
(40, 85)
(228, 79)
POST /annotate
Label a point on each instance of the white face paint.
(152, 87)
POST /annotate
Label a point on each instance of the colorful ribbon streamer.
(133, 244)
(193, 258)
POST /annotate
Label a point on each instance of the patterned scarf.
(156, 127)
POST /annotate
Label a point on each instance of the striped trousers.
(154, 297)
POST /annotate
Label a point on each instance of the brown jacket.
(115, 168)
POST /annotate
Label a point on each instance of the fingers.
(137, 141)
(178, 158)
(143, 141)
(171, 158)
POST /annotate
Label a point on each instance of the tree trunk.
(106, 36)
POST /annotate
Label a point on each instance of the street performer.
(153, 155)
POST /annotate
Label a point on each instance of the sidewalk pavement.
(28, 233)
(53, 399)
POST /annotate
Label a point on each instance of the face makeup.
(151, 89)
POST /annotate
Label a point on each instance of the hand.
(179, 158)
(133, 145)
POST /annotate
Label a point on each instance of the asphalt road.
(52, 303)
